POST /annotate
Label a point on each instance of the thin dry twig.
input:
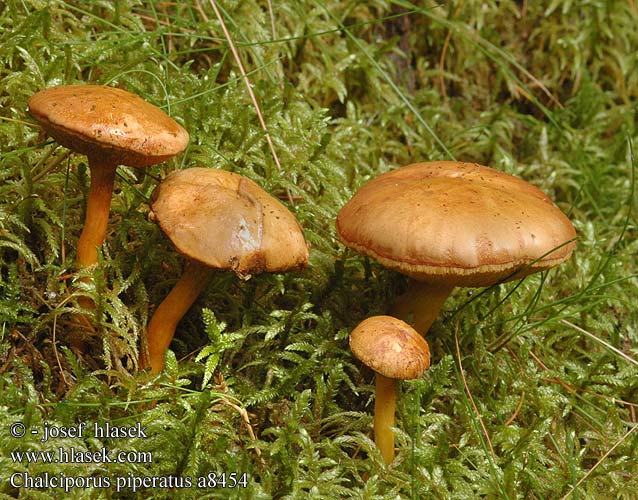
(271, 13)
(575, 389)
(607, 453)
(55, 342)
(249, 87)
(517, 410)
(244, 415)
(600, 341)
(469, 394)
(446, 43)
(221, 382)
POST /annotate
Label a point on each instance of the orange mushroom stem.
(421, 304)
(384, 409)
(161, 328)
(97, 210)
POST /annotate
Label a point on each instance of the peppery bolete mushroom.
(448, 224)
(111, 127)
(395, 351)
(220, 221)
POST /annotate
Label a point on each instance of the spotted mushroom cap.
(227, 221)
(390, 347)
(456, 223)
(108, 123)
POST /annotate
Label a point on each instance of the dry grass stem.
(469, 393)
(593, 468)
(620, 353)
(249, 88)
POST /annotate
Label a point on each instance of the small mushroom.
(219, 220)
(447, 224)
(395, 351)
(111, 127)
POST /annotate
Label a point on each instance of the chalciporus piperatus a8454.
(450, 224)
(220, 221)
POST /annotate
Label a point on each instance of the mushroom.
(447, 224)
(111, 127)
(219, 220)
(394, 350)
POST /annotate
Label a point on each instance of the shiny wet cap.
(458, 224)
(227, 221)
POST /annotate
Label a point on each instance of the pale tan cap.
(456, 223)
(227, 221)
(390, 347)
(107, 122)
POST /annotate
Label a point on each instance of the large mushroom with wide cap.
(395, 351)
(220, 221)
(450, 224)
(111, 127)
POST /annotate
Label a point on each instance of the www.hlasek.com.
(76, 455)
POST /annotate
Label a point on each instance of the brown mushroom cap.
(101, 121)
(456, 223)
(227, 221)
(390, 347)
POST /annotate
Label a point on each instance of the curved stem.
(384, 404)
(97, 210)
(421, 304)
(161, 328)
(98, 206)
